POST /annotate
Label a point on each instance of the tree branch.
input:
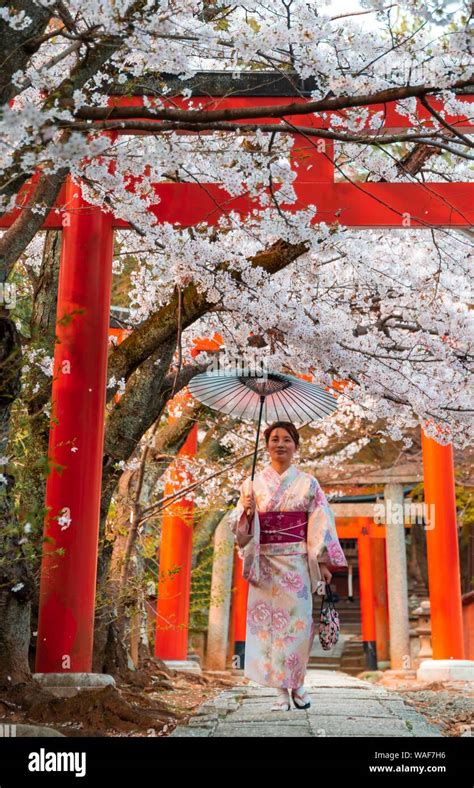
(333, 104)
(15, 240)
(162, 325)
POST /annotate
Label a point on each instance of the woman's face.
(281, 446)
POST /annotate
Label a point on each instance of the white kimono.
(283, 576)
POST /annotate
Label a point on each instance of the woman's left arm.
(323, 542)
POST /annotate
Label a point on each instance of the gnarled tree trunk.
(16, 587)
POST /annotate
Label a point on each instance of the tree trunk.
(110, 652)
(16, 587)
(139, 407)
(116, 573)
(15, 615)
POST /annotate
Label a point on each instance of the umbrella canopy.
(273, 395)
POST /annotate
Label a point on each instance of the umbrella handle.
(251, 489)
(262, 400)
(255, 512)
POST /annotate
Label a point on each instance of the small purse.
(329, 626)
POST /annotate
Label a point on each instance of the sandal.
(303, 697)
(281, 705)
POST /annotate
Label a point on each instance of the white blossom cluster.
(37, 357)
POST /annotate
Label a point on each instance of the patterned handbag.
(329, 627)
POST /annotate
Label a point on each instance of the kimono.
(283, 575)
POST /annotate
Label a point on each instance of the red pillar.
(367, 596)
(379, 570)
(238, 627)
(174, 584)
(444, 576)
(68, 581)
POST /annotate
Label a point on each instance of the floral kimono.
(284, 573)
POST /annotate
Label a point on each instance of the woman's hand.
(325, 573)
(250, 504)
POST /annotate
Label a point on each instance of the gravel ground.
(447, 704)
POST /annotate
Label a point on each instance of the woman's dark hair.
(286, 425)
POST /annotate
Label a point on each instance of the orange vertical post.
(174, 583)
(76, 440)
(367, 596)
(379, 571)
(238, 627)
(444, 576)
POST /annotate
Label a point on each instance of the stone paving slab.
(268, 717)
(341, 705)
(263, 729)
(348, 708)
(183, 730)
(359, 726)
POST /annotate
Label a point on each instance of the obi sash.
(278, 527)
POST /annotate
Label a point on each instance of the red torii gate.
(67, 592)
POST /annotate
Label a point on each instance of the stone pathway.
(341, 705)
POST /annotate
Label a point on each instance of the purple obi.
(283, 527)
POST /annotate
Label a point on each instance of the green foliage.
(465, 510)
(201, 578)
(67, 318)
(21, 312)
(28, 441)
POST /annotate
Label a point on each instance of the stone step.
(352, 670)
(315, 665)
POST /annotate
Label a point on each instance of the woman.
(287, 539)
